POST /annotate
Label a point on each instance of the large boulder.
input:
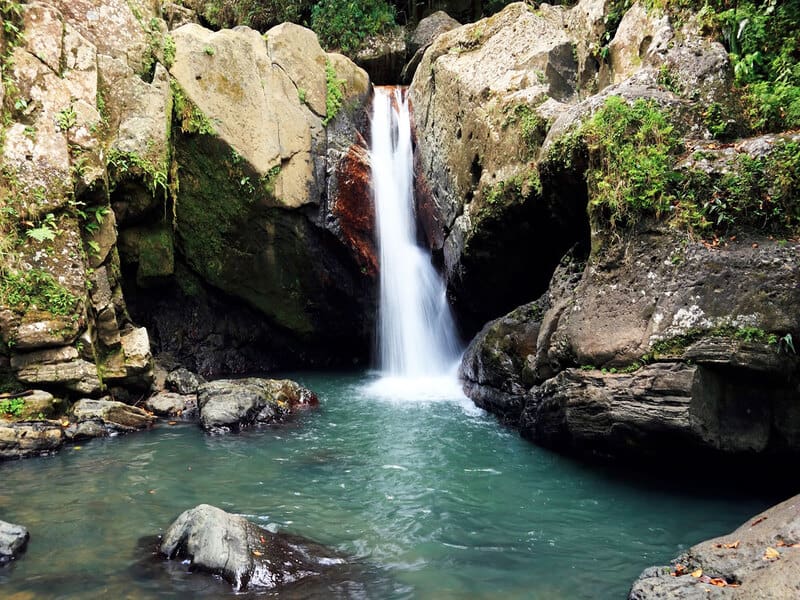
(426, 31)
(233, 404)
(257, 152)
(760, 559)
(701, 360)
(483, 95)
(245, 555)
(13, 541)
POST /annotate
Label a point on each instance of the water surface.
(434, 499)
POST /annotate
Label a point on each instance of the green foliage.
(762, 38)
(343, 24)
(22, 291)
(759, 193)
(13, 406)
(532, 127)
(301, 95)
(66, 118)
(191, 118)
(632, 149)
(258, 14)
(334, 95)
(168, 48)
(122, 164)
(268, 180)
(209, 50)
(46, 231)
(10, 37)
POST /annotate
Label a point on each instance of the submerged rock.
(245, 555)
(231, 404)
(13, 541)
(761, 559)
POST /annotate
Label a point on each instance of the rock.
(285, 259)
(59, 367)
(382, 56)
(493, 365)
(245, 555)
(168, 404)
(230, 405)
(13, 541)
(183, 381)
(430, 28)
(616, 369)
(476, 105)
(109, 415)
(424, 34)
(20, 440)
(742, 557)
(41, 405)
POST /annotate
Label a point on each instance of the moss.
(35, 288)
(156, 256)
(123, 165)
(675, 346)
(334, 95)
(532, 127)
(187, 114)
(230, 236)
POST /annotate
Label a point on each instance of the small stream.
(433, 500)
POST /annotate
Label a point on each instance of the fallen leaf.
(697, 573)
(718, 581)
(755, 245)
(77, 447)
(257, 553)
(152, 492)
(680, 569)
(780, 544)
(172, 423)
(757, 521)
(731, 546)
(771, 554)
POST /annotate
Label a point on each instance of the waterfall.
(416, 332)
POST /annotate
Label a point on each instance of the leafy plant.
(343, 24)
(12, 406)
(190, 117)
(334, 93)
(209, 50)
(35, 287)
(66, 118)
(632, 149)
(46, 231)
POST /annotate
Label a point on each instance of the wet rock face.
(610, 367)
(230, 405)
(757, 560)
(13, 541)
(245, 555)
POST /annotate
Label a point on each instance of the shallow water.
(434, 499)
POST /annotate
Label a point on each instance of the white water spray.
(417, 344)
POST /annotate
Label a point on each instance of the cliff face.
(200, 169)
(672, 321)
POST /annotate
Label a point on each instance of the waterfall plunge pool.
(434, 499)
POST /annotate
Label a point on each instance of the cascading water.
(417, 344)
